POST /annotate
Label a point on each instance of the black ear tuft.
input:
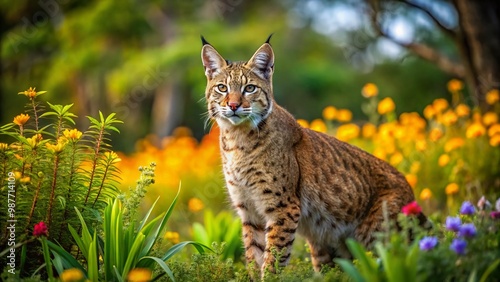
(204, 41)
(269, 39)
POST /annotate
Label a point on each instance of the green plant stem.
(70, 184)
(94, 163)
(53, 190)
(33, 204)
(101, 186)
(48, 261)
(35, 113)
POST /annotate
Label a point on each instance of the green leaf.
(93, 270)
(133, 253)
(489, 270)
(178, 247)
(162, 264)
(349, 268)
(67, 259)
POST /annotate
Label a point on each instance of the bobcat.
(284, 179)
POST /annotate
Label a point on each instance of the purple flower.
(453, 223)
(458, 246)
(428, 243)
(467, 208)
(467, 230)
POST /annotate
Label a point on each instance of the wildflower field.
(85, 212)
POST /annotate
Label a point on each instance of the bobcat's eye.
(221, 88)
(249, 89)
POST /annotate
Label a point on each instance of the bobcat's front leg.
(253, 238)
(283, 219)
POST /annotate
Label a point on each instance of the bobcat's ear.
(262, 62)
(212, 61)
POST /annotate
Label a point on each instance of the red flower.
(40, 229)
(495, 214)
(411, 209)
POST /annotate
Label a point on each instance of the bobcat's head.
(239, 93)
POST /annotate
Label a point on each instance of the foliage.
(121, 246)
(222, 228)
(402, 259)
(56, 168)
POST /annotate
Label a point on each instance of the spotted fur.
(284, 179)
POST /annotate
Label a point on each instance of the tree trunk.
(479, 23)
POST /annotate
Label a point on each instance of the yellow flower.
(386, 106)
(415, 167)
(451, 189)
(396, 159)
(21, 119)
(25, 179)
(449, 118)
(453, 143)
(421, 145)
(173, 237)
(426, 194)
(329, 113)
(112, 157)
(492, 96)
(34, 140)
(344, 115)
(4, 146)
(72, 134)
(455, 85)
(429, 112)
(490, 118)
(494, 129)
(475, 130)
(462, 110)
(368, 130)
(369, 90)
(303, 123)
(318, 125)
(59, 146)
(195, 205)
(380, 153)
(495, 140)
(443, 160)
(72, 275)
(440, 105)
(140, 275)
(32, 93)
(435, 134)
(412, 180)
(347, 132)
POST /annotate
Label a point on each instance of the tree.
(475, 36)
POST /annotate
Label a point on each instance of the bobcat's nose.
(233, 106)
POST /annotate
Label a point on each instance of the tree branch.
(421, 50)
(449, 32)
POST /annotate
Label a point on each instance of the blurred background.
(141, 60)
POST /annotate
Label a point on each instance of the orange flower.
(453, 143)
(455, 85)
(451, 189)
(490, 118)
(347, 132)
(140, 275)
(495, 140)
(421, 145)
(440, 105)
(318, 125)
(21, 119)
(72, 275)
(494, 129)
(435, 134)
(475, 130)
(412, 180)
(462, 110)
(369, 90)
(344, 115)
(449, 118)
(195, 205)
(429, 112)
(368, 130)
(329, 113)
(443, 160)
(492, 96)
(304, 123)
(426, 194)
(386, 106)
(380, 153)
(396, 159)
(32, 93)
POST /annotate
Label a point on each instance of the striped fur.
(285, 180)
